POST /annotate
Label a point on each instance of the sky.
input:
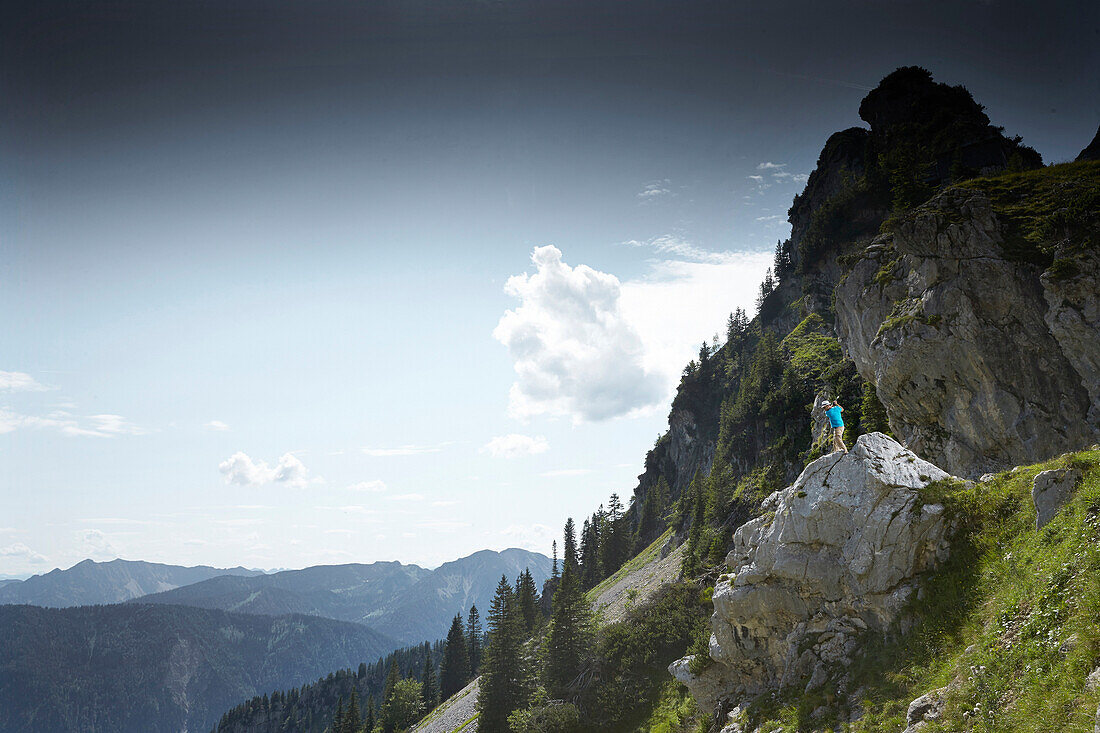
(293, 283)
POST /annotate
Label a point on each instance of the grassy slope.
(1010, 624)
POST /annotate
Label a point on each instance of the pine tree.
(369, 717)
(473, 639)
(338, 719)
(427, 681)
(352, 722)
(527, 598)
(554, 567)
(454, 671)
(570, 544)
(590, 547)
(392, 678)
(569, 635)
(504, 685)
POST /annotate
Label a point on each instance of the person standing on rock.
(832, 411)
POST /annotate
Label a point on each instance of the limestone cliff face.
(834, 554)
(982, 361)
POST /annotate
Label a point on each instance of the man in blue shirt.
(832, 411)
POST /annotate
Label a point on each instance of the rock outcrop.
(1092, 150)
(982, 361)
(834, 554)
(1051, 490)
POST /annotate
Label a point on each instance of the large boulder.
(834, 554)
(1051, 490)
(982, 361)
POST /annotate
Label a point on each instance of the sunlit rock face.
(835, 553)
(982, 361)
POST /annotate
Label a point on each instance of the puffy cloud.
(573, 351)
(769, 166)
(772, 217)
(20, 382)
(514, 445)
(20, 551)
(240, 469)
(374, 486)
(216, 425)
(97, 546)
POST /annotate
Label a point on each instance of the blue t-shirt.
(834, 416)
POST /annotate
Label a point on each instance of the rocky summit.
(832, 555)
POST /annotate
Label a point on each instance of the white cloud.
(373, 486)
(442, 525)
(772, 217)
(514, 445)
(654, 190)
(679, 304)
(534, 537)
(679, 248)
(445, 502)
(20, 382)
(769, 166)
(406, 497)
(800, 177)
(114, 425)
(97, 546)
(216, 425)
(20, 551)
(758, 179)
(573, 351)
(102, 426)
(402, 450)
(240, 469)
(566, 472)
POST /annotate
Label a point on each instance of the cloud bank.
(573, 351)
(587, 346)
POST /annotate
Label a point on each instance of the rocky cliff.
(984, 357)
(834, 554)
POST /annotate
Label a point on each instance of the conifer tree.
(569, 635)
(590, 547)
(570, 556)
(428, 683)
(352, 722)
(554, 567)
(527, 598)
(338, 719)
(473, 639)
(369, 717)
(504, 675)
(454, 670)
(392, 678)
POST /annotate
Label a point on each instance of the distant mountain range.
(406, 602)
(90, 582)
(153, 668)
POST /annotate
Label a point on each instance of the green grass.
(675, 711)
(643, 558)
(1046, 207)
(1011, 622)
